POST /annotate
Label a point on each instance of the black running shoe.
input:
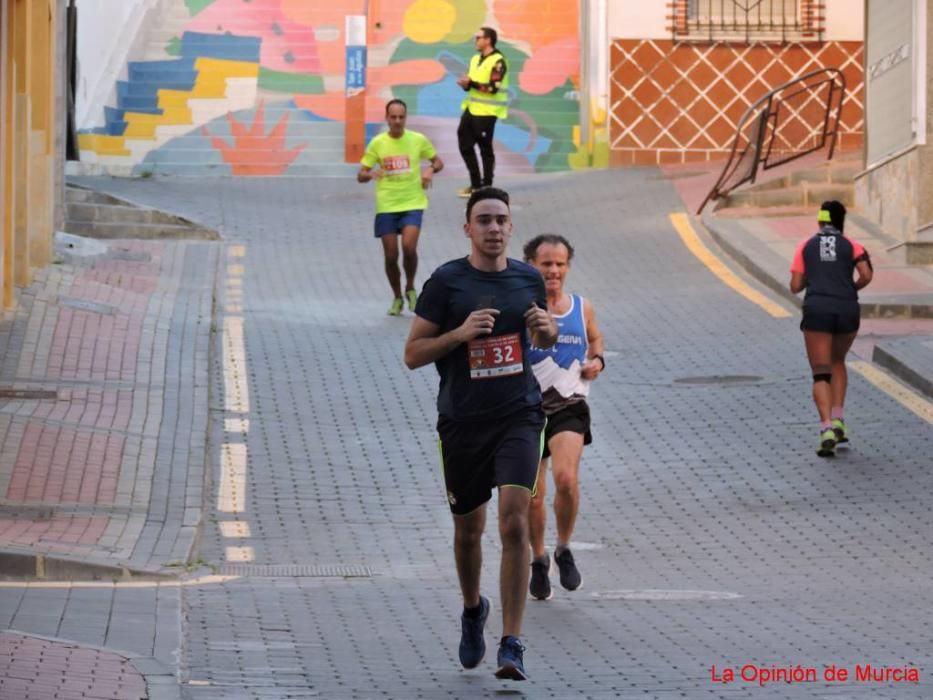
(540, 584)
(511, 664)
(570, 577)
(472, 642)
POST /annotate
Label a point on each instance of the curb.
(33, 566)
(713, 226)
(887, 357)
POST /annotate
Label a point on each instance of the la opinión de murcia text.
(861, 673)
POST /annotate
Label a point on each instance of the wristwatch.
(601, 359)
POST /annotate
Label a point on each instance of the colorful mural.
(202, 104)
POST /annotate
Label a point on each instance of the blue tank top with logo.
(557, 368)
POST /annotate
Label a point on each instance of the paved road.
(325, 463)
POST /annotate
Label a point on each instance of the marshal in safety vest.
(484, 104)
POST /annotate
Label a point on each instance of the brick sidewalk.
(104, 407)
(39, 669)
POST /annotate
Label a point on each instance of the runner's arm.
(424, 345)
(865, 272)
(542, 326)
(428, 175)
(495, 80)
(797, 282)
(595, 363)
(366, 174)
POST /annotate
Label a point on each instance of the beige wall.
(845, 20)
(631, 19)
(649, 19)
(895, 192)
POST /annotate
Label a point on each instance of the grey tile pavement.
(710, 534)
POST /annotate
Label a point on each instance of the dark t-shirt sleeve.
(432, 302)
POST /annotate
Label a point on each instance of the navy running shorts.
(477, 457)
(393, 222)
(574, 418)
(835, 323)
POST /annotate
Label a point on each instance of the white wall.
(639, 19)
(648, 19)
(109, 34)
(845, 20)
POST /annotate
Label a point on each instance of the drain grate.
(720, 379)
(85, 305)
(295, 570)
(28, 394)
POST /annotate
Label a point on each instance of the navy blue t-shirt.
(491, 376)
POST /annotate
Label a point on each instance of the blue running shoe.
(472, 642)
(511, 666)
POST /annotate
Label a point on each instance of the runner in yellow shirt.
(393, 159)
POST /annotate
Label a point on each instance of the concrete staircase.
(97, 215)
(795, 193)
(192, 107)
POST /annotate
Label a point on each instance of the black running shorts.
(835, 323)
(574, 418)
(476, 457)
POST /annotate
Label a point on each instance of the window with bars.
(747, 20)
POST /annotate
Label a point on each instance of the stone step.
(187, 169)
(800, 195)
(119, 214)
(74, 194)
(109, 230)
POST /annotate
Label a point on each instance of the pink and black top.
(827, 261)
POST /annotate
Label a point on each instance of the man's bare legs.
(468, 553)
(514, 502)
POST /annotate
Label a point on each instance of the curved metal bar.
(761, 110)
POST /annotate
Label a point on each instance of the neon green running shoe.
(396, 308)
(412, 298)
(827, 446)
(839, 427)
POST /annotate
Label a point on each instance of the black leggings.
(475, 130)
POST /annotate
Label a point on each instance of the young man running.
(475, 320)
(564, 372)
(400, 197)
(824, 266)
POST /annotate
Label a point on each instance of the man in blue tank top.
(564, 372)
(475, 320)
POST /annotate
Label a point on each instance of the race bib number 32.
(498, 356)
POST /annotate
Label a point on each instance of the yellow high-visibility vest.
(483, 104)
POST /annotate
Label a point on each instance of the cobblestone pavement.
(31, 669)
(102, 440)
(710, 534)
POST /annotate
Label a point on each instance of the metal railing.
(745, 20)
(794, 119)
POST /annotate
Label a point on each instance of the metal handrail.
(763, 118)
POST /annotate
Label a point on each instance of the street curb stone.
(26, 565)
(910, 359)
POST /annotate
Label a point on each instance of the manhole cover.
(658, 594)
(720, 379)
(27, 394)
(295, 571)
(85, 305)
